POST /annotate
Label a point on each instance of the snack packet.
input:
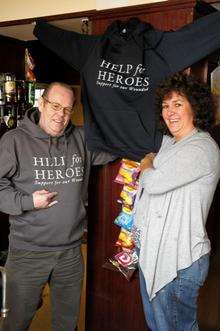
(125, 239)
(128, 194)
(124, 220)
(126, 262)
(128, 172)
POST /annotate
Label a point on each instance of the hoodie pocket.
(125, 129)
(58, 226)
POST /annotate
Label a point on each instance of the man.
(44, 171)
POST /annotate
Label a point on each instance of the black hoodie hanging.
(120, 71)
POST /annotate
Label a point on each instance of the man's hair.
(51, 85)
(198, 95)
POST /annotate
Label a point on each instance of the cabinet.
(10, 63)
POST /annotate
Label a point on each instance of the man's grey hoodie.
(31, 160)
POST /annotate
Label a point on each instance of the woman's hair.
(198, 95)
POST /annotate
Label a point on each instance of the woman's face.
(178, 115)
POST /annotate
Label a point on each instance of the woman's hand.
(147, 161)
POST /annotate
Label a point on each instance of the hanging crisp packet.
(128, 194)
(125, 239)
(126, 262)
(128, 172)
(124, 220)
(127, 209)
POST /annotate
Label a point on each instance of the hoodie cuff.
(27, 202)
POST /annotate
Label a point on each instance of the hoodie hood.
(119, 33)
(30, 126)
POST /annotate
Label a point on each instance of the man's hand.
(147, 161)
(44, 199)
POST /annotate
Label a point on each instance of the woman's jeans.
(174, 308)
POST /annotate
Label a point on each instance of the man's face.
(55, 110)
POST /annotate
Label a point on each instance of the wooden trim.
(140, 9)
(115, 12)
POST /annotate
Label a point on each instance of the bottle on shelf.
(2, 90)
(10, 88)
(21, 100)
(16, 96)
(10, 109)
(3, 127)
(10, 117)
(30, 93)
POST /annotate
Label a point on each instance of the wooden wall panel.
(163, 15)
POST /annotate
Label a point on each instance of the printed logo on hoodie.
(54, 170)
(123, 76)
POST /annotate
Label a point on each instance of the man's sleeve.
(72, 47)
(186, 166)
(99, 158)
(191, 43)
(12, 201)
(95, 157)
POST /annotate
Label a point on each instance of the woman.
(176, 190)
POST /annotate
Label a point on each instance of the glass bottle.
(10, 117)
(10, 88)
(30, 93)
(2, 93)
(3, 127)
(21, 100)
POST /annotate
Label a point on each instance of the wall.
(21, 9)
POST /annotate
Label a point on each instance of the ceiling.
(25, 31)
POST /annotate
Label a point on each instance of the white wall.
(20, 9)
(104, 4)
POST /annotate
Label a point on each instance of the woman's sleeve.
(186, 166)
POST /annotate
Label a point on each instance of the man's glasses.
(57, 107)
